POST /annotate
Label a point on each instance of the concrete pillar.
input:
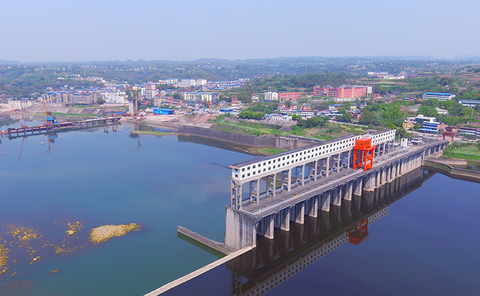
(328, 166)
(258, 190)
(339, 160)
(315, 171)
(358, 186)
(269, 226)
(300, 213)
(337, 196)
(378, 175)
(313, 207)
(285, 220)
(370, 181)
(347, 195)
(289, 181)
(267, 181)
(250, 190)
(326, 201)
(348, 160)
(303, 175)
(274, 184)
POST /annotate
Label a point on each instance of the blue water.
(101, 178)
(427, 244)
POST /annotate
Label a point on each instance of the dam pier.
(270, 192)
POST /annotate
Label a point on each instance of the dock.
(13, 133)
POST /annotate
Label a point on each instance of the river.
(426, 245)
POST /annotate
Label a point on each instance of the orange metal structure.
(356, 236)
(363, 154)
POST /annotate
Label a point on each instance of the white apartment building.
(115, 97)
(201, 82)
(187, 82)
(271, 96)
(150, 94)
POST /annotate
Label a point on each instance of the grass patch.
(270, 151)
(244, 127)
(153, 133)
(464, 151)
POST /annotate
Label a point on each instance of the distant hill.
(3, 62)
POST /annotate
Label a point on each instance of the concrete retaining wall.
(453, 172)
(292, 142)
(242, 139)
(269, 141)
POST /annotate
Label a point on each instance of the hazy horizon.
(87, 31)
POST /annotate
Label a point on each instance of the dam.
(269, 192)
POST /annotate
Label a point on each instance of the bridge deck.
(269, 205)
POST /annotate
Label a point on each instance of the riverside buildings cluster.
(194, 91)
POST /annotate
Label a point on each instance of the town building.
(271, 96)
(114, 97)
(291, 96)
(343, 91)
(468, 131)
(150, 94)
(187, 82)
(438, 96)
(470, 103)
(200, 98)
(200, 82)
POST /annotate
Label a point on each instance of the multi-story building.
(169, 81)
(468, 131)
(343, 91)
(271, 96)
(470, 103)
(292, 96)
(201, 82)
(187, 82)
(200, 98)
(150, 86)
(85, 98)
(438, 96)
(150, 94)
(114, 97)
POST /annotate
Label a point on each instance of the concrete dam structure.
(274, 261)
(270, 192)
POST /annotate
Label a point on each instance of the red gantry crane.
(363, 154)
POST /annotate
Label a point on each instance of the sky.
(102, 30)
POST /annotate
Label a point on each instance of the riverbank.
(441, 166)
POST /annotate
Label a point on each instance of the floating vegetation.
(74, 228)
(106, 232)
(22, 233)
(63, 249)
(28, 246)
(3, 258)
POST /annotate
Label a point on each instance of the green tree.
(100, 101)
(245, 97)
(427, 111)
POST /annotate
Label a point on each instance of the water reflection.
(274, 261)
